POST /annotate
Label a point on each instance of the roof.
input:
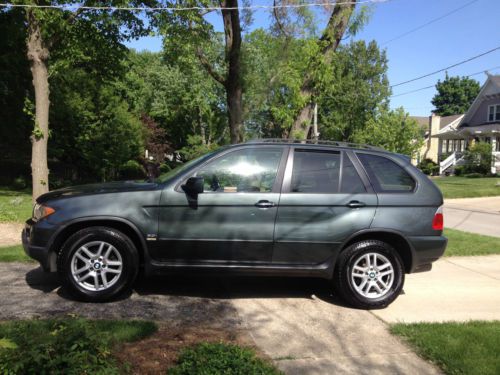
(423, 121)
(447, 120)
(491, 86)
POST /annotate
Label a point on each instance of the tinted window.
(386, 175)
(246, 170)
(315, 172)
(351, 182)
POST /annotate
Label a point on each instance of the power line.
(165, 8)
(432, 86)
(429, 22)
(446, 68)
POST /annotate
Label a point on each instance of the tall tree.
(337, 25)
(73, 33)
(454, 95)
(191, 30)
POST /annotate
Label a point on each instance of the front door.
(232, 221)
(324, 201)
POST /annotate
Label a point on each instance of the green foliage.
(478, 159)
(429, 167)
(394, 131)
(69, 346)
(196, 148)
(457, 348)
(454, 95)
(19, 183)
(465, 244)
(14, 254)
(220, 358)
(14, 205)
(462, 187)
(132, 170)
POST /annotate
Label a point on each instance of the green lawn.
(465, 243)
(14, 253)
(463, 187)
(14, 205)
(457, 348)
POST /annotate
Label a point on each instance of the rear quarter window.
(387, 176)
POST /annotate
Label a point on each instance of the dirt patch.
(10, 234)
(159, 352)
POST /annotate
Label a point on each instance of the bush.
(428, 167)
(19, 183)
(220, 358)
(458, 170)
(132, 170)
(164, 168)
(70, 346)
(478, 159)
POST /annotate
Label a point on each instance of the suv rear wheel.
(369, 274)
(97, 263)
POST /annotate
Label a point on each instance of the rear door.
(325, 198)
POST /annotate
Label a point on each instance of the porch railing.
(448, 162)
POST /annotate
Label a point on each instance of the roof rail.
(316, 142)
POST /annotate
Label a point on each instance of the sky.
(467, 32)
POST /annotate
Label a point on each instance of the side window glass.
(315, 172)
(246, 170)
(386, 175)
(351, 182)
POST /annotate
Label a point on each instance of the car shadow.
(206, 286)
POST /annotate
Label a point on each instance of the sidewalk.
(476, 215)
(457, 289)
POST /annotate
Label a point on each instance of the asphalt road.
(476, 215)
(296, 322)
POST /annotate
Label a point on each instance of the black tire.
(126, 249)
(342, 281)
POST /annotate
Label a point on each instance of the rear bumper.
(39, 253)
(426, 250)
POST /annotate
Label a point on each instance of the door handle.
(264, 204)
(355, 204)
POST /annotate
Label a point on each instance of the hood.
(109, 187)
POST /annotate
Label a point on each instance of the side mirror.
(194, 186)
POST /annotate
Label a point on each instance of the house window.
(494, 113)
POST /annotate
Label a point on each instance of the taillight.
(438, 221)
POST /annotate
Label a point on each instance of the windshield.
(181, 168)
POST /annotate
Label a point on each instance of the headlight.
(40, 211)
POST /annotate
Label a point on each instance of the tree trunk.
(233, 85)
(38, 55)
(335, 29)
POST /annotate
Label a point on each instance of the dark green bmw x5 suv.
(356, 215)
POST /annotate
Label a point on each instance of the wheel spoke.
(99, 251)
(96, 282)
(85, 277)
(367, 258)
(87, 252)
(80, 270)
(382, 274)
(104, 280)
(384, 266)
(81, 257)
(113, 263)
(108, 251)
(111, 270)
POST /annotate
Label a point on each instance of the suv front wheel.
(369, 274)
(97, 263)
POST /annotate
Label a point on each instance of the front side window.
(385, 175)
(494, 113)
(315, 172)
(246, 170)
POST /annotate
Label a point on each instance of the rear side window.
(315, 172)
(351, 182)
(387, 176)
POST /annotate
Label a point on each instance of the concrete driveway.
(476, 215)
(296, 322)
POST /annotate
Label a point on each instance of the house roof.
(423, 121)
(447, 120)
(491, 86)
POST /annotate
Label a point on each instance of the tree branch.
(209, 68)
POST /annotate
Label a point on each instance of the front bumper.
(39, 253)
(426, 250)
